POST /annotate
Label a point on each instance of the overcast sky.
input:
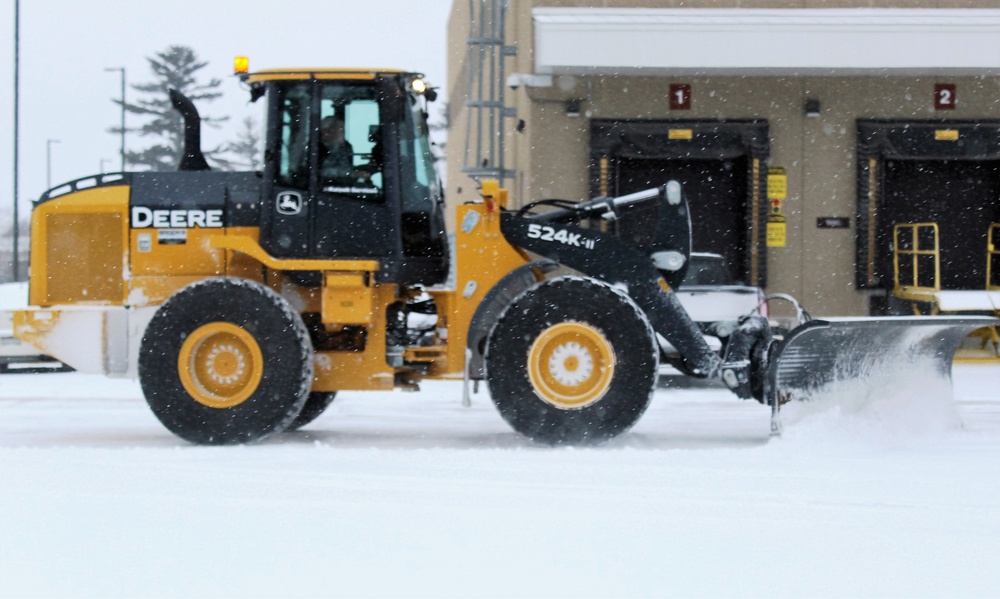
(66, 95)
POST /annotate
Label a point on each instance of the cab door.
(308, 211)
(353, 216)
(287, 205)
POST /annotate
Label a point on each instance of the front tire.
(225, 361)
(572, 360)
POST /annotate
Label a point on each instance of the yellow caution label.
(777, 183)
(946, 134)
(680, 134)
(776, 231)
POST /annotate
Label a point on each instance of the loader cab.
(348, 172)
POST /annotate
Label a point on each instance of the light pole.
(48, 162)
(122, 70)
(17, 63)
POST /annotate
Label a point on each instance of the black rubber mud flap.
(877, 351)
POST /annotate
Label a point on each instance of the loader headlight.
(729, 377)
(673, 193)
(420, 87)
(671, 261)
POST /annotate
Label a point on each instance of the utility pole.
(122, 70)
(17, 60)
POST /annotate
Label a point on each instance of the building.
(801, 130)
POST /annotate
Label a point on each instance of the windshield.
(420, 189)
(707, 269)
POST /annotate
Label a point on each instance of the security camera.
(528, 80)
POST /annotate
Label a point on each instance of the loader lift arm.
(648, 271)
(810, 359)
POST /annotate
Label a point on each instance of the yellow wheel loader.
(243, 301)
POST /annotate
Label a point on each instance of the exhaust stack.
(191, 157)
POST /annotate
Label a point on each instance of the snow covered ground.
(409, 494)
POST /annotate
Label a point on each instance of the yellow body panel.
(360, 370)
(482, 257)
(248, 245)
(318, 73)
(167, 268)
(67, 266)
(239, 264)
(347, 298)
(154, 252)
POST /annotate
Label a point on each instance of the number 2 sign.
(945, 96)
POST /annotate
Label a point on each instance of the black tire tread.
(316, 403)
(284, 343)
(584, 300)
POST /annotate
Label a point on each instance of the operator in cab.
(336, 155)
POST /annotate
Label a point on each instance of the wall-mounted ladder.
(486, 50)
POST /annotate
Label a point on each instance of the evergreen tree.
(176, 67)
(247, 147)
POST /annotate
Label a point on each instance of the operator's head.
(331, 129)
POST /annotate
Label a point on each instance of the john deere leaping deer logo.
(289, 202)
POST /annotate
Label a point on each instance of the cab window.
(350, 158)
(294, 119)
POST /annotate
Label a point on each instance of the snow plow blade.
(858, 355)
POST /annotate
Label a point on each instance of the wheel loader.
(244, 301)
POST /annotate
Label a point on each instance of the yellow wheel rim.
(571, 365)
(220, 365)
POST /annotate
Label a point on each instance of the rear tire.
(225, 361)
(316, 403)
(572, 360)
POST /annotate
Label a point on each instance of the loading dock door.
(716, 192)
(961, 196)
(946, 172)
(720, 165)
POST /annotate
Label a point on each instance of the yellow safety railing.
(916, 256)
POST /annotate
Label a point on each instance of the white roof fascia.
(853, 41)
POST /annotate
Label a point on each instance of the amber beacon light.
(241, 65)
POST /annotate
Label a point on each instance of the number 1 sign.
(680, 96)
